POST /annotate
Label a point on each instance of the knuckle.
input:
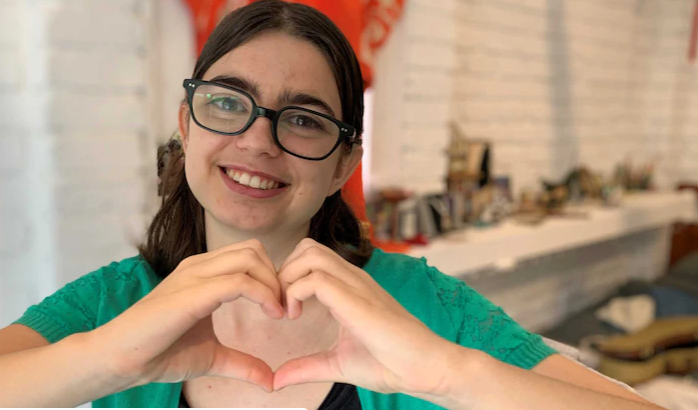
(314, 251)
(248, 252)
(284, 278)
(244, 282)
(239, 279)
(254, 244)
(308, 242)
(249, 374)
(240, 255)
(189, 261)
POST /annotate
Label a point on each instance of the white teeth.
(245, 179)
(255, 181)
(235, 176)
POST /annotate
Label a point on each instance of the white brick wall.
(413, 89)
(77, 153)
(553, 84)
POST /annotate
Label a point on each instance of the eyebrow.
(237, 82)
(294, 98)
(287, 97)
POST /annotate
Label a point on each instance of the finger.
(316, 368)
(304, 244)
(257, 246)
(211, 294)
(244, 260)
(315, 258)
(332, 293)
(237, 365)
(253, 244)
(163, 320)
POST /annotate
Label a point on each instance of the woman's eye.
(305, 121)
(228, 104)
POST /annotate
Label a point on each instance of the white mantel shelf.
(502, 246)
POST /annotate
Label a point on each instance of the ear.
(183, 118)
(345, 167)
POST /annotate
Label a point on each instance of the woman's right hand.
(168, 335)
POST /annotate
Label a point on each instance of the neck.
(278, 243)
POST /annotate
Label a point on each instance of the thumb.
(316, 368)
(241, 366)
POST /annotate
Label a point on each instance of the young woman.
(255, 287)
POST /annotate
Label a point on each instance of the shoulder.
(432, 296)
(91, 300)
(397, 272)
(125, 282)
(397, 263)
(134, 270)
(117, 286)
(110, 289)
(402, 273)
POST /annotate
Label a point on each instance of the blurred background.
(533, 148)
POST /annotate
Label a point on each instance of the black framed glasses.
(298, 131)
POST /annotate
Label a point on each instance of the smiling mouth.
(253, 181)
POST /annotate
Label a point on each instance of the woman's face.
(275, 67)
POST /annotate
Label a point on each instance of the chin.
(258, 224)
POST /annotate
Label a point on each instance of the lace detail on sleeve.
(484, 326)
(71, 309)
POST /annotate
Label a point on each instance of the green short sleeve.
(72, 309)
(483, 326)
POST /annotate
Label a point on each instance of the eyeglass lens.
(298, 131)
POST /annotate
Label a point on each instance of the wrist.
(101, 363)
(461, 369)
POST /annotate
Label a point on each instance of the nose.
(257, 139)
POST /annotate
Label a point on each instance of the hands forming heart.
(381, 346)
(168, 335)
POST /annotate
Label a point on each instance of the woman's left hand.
(381, 346)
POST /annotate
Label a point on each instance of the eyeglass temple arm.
(356, 140)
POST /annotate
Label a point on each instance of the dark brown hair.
(177, 231)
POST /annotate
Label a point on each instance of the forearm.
(482, 382)
(63, 374)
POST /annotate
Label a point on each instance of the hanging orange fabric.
(206, 14)
(365, 23)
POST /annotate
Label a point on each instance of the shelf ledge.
(503, 246)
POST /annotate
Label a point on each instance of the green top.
(447, 305)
